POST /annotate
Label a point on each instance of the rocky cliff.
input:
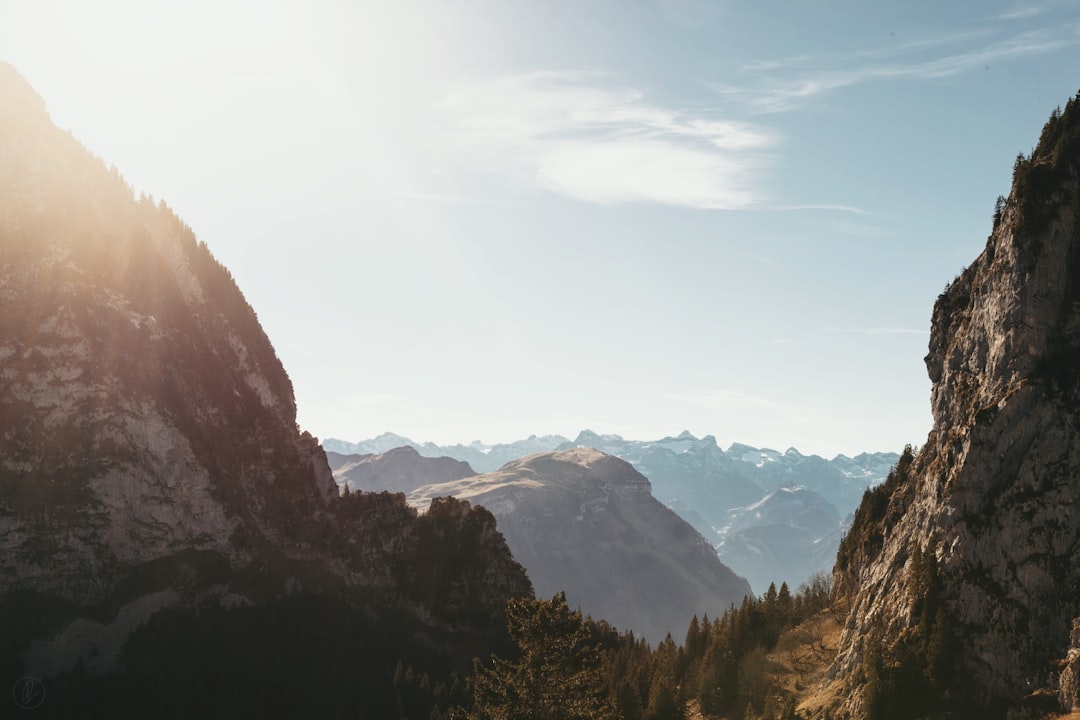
(149, 452)
(964, 568)
(138, 390)
(586, 522)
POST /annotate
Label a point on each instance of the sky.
(483, 220)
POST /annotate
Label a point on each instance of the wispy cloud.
(878, 53)
(1024, 10)
(380, 401)
(824, 207)
(1020, 13)
(880, 331)
(427, 197)
(584, 136)
(783, 85)
(737, 403)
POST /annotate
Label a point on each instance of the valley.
(174, 544)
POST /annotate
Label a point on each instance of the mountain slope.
(138, 387)
(585, 522)
(151, 466)
(400, 470)
(712, 489)
(967, 559)
(791, 533)
(482, 457)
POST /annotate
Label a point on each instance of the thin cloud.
(797, 62)
(582, 136)
(825, 207)
(880, 331)
(280, 77)
(1023, 11)
(380, 401)
(737, 403)
(436, 198)
(776, 91)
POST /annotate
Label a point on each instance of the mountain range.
(773, 517)
(580, 521)
(173, 545)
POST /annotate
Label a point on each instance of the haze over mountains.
(173, 545)
(580, 521)
(773, 517)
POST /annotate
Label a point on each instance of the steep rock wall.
(991, 496)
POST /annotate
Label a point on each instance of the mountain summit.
(964, 567)
(161, 514)
(585, 522)
(138, 390)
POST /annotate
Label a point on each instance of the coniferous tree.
(695, 639)
(560, 674)
(663, 701)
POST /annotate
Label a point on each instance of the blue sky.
(482, 220)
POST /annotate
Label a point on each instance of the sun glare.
(135, 43)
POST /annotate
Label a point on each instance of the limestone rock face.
(148, 437)
(586, 522)
(992, 494)
(1069, 684)
(137, 389)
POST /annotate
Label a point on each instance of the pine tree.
(663, 701)
(560, 673)
(695, 639)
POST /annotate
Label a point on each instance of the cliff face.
(586, 522)
(137, 389)
(149, 452)
(990, 498)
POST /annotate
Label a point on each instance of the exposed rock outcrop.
(1069, 681)
(138, 391)
(990, 498)
(149, 451)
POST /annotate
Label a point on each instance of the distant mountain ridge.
(481, 457)
(580, 521)
(719, 492)
(398, 470)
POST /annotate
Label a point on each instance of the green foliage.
(913, 676)
(559, 675)
(298, 656)
(570, 667)
(1038, 178)
(663, 701)
(864, 539)
(999, 210)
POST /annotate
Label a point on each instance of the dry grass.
(797, 666)
(803, 656)
(693, 711)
